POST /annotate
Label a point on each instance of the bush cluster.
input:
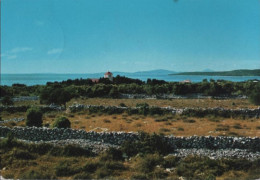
(44, 148)
(61, 122)
(147, 144)
(254, 97)
(34, 117)
(62, 92)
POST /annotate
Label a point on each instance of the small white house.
(108, 75)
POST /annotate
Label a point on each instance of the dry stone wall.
(12, 120)
(13, 109)
(117, 138)
(197, 112)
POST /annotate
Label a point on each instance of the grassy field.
(166, 124)
(176, 103)
(22, 162)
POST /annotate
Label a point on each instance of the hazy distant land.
(240, 72)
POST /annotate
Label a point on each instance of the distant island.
(240, 72)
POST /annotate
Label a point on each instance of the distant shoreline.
(214, 75)
(241, 72)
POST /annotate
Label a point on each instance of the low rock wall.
(12, 120)
(13, 109)
(197, 112)
(25, 98)
(117, 138)
(174, 96)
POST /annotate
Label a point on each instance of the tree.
(63, 97)
(61, 122)
(254, 97)
(143, 108)
(113, 92)
(56, 95)
(4, 92)
(34, 117)
(7, 100)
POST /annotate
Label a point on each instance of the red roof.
(95, 80)
(108, 73)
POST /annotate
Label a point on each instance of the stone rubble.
(218, 154)
(26, 98)
(12, 120)
(215, 147)
(173, 96)
(48, 108)
(94, 146)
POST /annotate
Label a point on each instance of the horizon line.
(130, 72)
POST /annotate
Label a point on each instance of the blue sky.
(88, 36)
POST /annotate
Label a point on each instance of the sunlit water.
(41, 79)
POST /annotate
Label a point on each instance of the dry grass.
(198, 126)
(168, 124)
(45, 164)
(27, 103)
(177, 103)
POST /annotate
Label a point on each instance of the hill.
(240, 72)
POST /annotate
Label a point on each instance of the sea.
(42, 79)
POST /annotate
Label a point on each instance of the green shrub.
(40, 149)
(158, 173)
(147, 163)
(61, 122)
(9, 142)
(147, 144)
(7, 100)
(21, 154)
(122, 105)
(113, 165)
(143, 108)
(237, 126)
(194, 167)
(90, 166)
(106, 121)
(55, 94)
(156, 110)
(170, 161)
(36, 174)
(112, 154)
(164, 130)
(221, 127)
(64, 169)
(237, 164)
(82, 175)
(189, 121)
(74, 150)
(180, 129)
(254, 97)
(139, 176)
(45, 148)
(163, 119)
(34, 117)
(102, 172)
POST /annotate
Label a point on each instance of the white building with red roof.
(109, 75)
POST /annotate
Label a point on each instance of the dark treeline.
(61, 92)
